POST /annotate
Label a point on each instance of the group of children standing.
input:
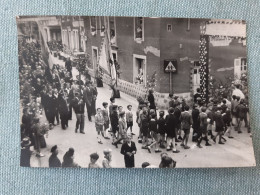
(159, 131)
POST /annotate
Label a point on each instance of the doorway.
(94, 57)
(196, 77)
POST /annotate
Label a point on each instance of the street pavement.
(235, 152)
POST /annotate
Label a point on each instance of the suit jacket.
(78, 107)
(88, 95)
(62, 106)
(186, 120)
(129, 160)
(170, 125)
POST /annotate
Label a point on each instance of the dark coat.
(114, 121)
(177, 114)
(195, 118)
(171, 103)
(68, 65)
(78, 107)
(186, 120)
(54, 161)
(151, 100)
(62, 106)
(153, 125)
(219, 122)
(171, 125)
(88, 95)
(161, 125)
(129, 160)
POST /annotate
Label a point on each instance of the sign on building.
(170, 66)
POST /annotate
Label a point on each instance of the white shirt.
(238, 92)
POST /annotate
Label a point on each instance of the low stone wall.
(161, 99)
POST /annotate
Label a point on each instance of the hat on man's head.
(25, 142)
(54, 148)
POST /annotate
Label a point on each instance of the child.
(138, 121)
(106, 119)
(120, 109)
(122, 128)
(128, 149)
(144, 117)
(112, 102)
(228, 123)
(203, 127)
(99, 123)
(161, 129)
(177, 114)
(241, 114)
(114, 122)
(171, 131)
(93, 159)
(186, 123)
(219, 125)
(154, 133)
(129, 118)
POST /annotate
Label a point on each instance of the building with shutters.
(144, 45)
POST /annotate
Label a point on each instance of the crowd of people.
(54, 93)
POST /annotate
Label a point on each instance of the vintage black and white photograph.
(133, 92)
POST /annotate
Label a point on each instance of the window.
(243, 65)
(93, 25)
(112, 28)
(169, 27)
(139, 29)
(102, 25)
(139, 69)
(76, 39)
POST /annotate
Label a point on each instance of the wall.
(222, 59)
(170, 49)
(127, 46)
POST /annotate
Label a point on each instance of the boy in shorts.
(161, 129)
(129, 118)
(186, 123)
(99, 123)
(154, 133)
(106, 119)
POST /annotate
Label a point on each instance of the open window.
(93, 25)
(139, 69)
(139, 29)
(102, 25)
(112, 28)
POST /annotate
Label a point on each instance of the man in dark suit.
(63, 110)
(68, 65)
(69, 93)
(88, 98)
(129, 150)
